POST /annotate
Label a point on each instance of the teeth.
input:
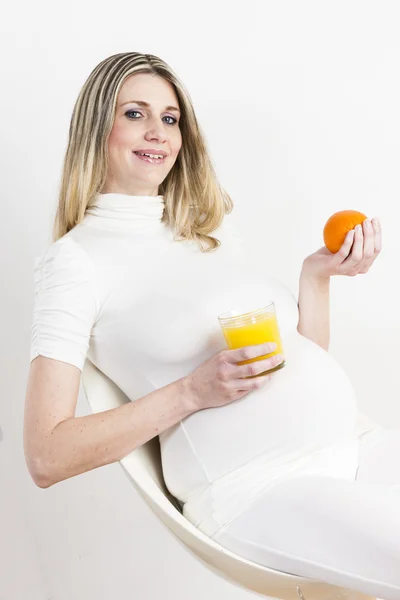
(150, 155)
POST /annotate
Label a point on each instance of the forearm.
(80, 444)
(314, 310)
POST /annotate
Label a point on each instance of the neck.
(116, 189)
(115, 211)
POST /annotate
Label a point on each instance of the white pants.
(342, 532)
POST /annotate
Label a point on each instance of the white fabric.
(143, 308)
(343, 532)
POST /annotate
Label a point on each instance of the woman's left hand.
(359, 250)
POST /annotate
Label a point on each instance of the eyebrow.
(147, 105)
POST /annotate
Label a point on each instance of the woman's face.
(147, 128)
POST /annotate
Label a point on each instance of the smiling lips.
(157, 157)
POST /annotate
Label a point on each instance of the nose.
(156, 131)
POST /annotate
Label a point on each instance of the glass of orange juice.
(255, 327)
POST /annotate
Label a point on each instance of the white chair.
(143, 467)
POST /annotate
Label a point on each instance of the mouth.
(153, 159)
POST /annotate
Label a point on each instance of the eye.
(128, 112)
(174, 120)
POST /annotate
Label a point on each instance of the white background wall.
(299, 102)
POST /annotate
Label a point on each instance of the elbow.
(40, 473)
(40, 461)
(42, 482)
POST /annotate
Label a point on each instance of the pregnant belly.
(308, 405)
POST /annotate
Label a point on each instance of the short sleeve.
(64, 303)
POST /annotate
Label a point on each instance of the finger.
(356, 253)
(369, 246)
(247, 385)
(378, 234)
(345, 249)
(249, 352)
(369, 240)
(258, 366)
(371, 254)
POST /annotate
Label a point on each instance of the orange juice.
(256, 327)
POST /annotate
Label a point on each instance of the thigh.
(342, 532)
(379, 457)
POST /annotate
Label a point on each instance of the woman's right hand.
(220, 380)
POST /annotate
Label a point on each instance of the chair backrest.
(144, 462)
(143, 467)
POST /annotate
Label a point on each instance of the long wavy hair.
(195, 203)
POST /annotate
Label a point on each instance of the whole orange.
(338, 225)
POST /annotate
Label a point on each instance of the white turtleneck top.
(119, 290)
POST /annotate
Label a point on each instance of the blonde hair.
(195, 203)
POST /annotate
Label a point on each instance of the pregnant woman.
(143, 261)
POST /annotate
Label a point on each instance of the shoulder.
(229, 234)
(230, 225)
(66, 303)
(62, 257)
